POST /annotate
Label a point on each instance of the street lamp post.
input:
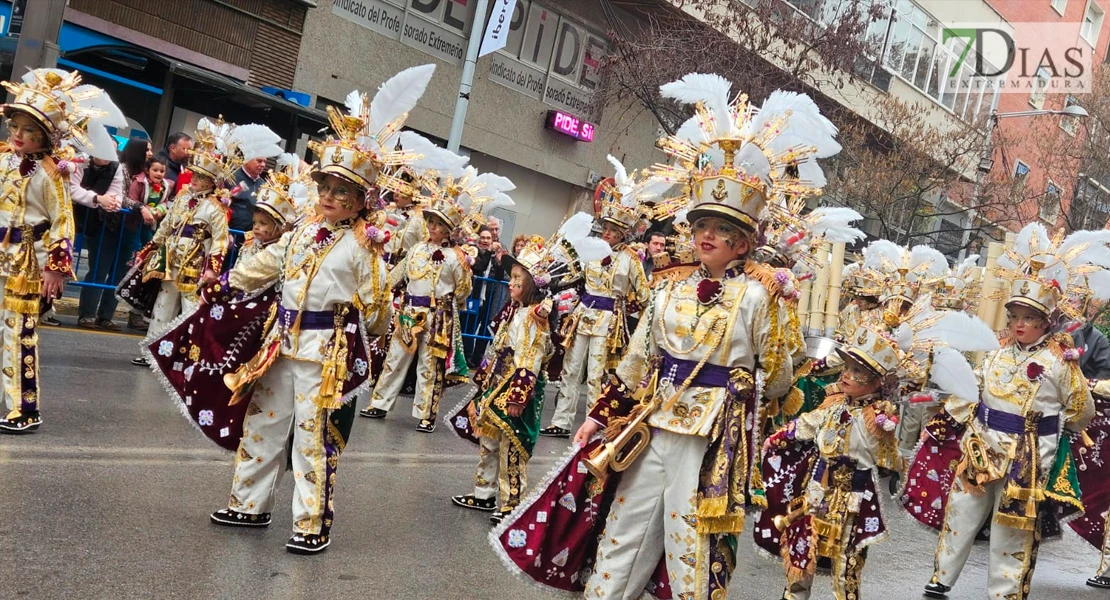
(986, 159)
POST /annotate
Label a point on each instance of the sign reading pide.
(547, 56)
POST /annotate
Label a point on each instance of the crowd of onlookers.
(118, 205)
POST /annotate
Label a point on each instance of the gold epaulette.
(676, 272)
(765, 275)
(464, 257)
(634, 250)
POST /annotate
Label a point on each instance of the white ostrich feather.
(1099, 284)
(1033, 239)
(577, 227)
(927, 262)
(354, 103)
(967, 263)
(691, 132)
(851, 270)
(255, 141)
(903, 337)
(1096, 251)
(809, 170)
(959, 330)
(432, 157)
(399, 95)
(753, 161)
(495, 183)
(711, 90)
(590, 249)
(882, 256)
(805, 124)
(620, 174)
(953, 374)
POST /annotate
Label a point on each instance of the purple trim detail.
(28, 352)
(598, 302)
(418, 301)
(710, 375)
(310, 319)
(17, 233)
(1015, 424)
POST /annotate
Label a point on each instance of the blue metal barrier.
(478, 313)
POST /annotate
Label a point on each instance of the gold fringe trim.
(764, 275)
(1016, 522)
(1076, 502)
(23, 307)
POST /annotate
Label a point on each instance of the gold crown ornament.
(734, 155)
(463, 198)
(792, 234)
(73, 115)
(926, 345)
(901, 273)
(364, 148)
(220, 148)
(1057, 273)
(286, 192)
(960, 289)
(559, 261)
(625, 198)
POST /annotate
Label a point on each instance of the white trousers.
(1012, 551)
(651, 516)
(171, 304)
(284, 405)
(502, 471)
(429, 385)
(586, 351)
(19, 361)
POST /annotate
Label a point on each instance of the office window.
(1040, 88)
(1092, 22)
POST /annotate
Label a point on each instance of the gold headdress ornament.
(287, 191)
(363, 150)
(220, 148)
(558, 262)
(624, 198)
(463, 200)
(71, 114)
(793, 234)
(429, 163)
(926, 345)
(1047, 274)
(734, 155)
(903, 273)
(959, 290)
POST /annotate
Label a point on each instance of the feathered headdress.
(903, 273)
(220, 148)
(286, 193)
(793, 235)
(1047, 274)
(429, 163)
(72, 115)
(364, 150)
(926, 346)
(624, 201)
(465, 200)
(734, 156)
(559, 262)
(959, 290)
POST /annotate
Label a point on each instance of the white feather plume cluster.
(633, 189)
(1078, 264)
(87, 111)
(833, 224)
(926, 264)
(431, 158)
(938, 339)
(254, 141)
(883, 256)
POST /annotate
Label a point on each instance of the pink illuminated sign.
(568, 124)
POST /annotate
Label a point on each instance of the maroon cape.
(551, 539)
(1091, 462)
(925, 494)
(199, 349)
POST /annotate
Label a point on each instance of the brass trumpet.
(626, 447)
(794, 511)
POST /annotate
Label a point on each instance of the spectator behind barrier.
(97, 186)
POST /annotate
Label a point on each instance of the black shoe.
(426, 426)
(937, 590)
(137, 322)
(894, 484)
(555, 431)
(141, 361)
(51, 321)
(499, 516)
(17, 422)
(1099, 581)
(307, 543)
(372, 413)
(234, 518)
(469, 501)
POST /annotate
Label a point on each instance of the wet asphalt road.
(110, 499)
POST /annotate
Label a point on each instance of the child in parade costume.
(821, 471)
(503, 417)
(791, 238)
(680, 414)
(616, 286)
(863, 290)
(437, 279)
(52, 117)
(279, 201)
(188, 250)
(995, 455)
(304, 306)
